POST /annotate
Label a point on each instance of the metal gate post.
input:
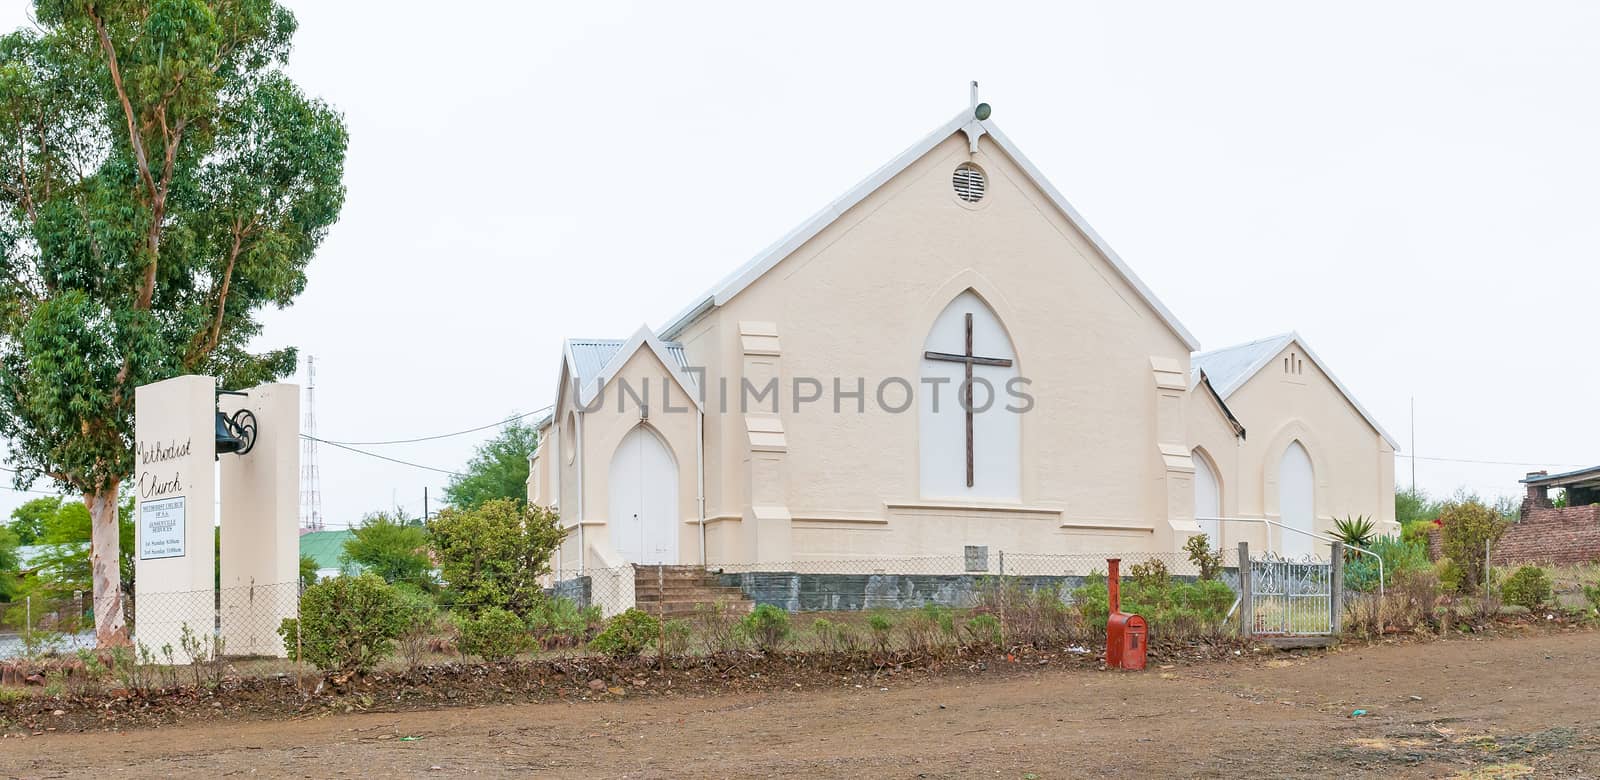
(1336, 587)
(1247, 607)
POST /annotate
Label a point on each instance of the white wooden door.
(1207, 500)
(1297, 503)
(643, 494)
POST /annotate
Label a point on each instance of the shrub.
(628, 635)
(495, 635)
(767, 627)
(1028, 616)
(1201, 555)
(930, 628)
(718, 627)
(1528, 586)
(882, 628)
(1592, 593)
(1418, 532)
(1466, 527)
(422, 626)
(1398, 555)
(347, 624)
(558, 622)
(834, 637)
(984, 630)
(1152, 574)
(493, 555)
(676, 635)
(1449, 575)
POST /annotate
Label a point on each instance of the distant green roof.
(326, 547)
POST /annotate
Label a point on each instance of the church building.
(946, 356)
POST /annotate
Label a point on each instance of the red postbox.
(1126, 634)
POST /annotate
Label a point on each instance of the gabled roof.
(592, 362)
(1229, 368)
(965, 122)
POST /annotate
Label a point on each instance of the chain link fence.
(849, 584)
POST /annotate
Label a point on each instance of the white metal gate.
(1291, 597)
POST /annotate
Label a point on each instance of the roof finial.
(974, 127)
(974, 96)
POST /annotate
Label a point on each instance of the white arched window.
(1207, 498)
(1297, 501)
(969, 449)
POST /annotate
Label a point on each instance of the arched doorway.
(1207, 498)
(1297, 503)
(644, 499)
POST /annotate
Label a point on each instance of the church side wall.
(1210, 432)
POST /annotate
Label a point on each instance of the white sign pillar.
(174, 512)
(260, 519)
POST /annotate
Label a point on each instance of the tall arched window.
(1207, 497)
(1297, 501)
(971, 442)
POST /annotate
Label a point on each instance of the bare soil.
(1462, 707)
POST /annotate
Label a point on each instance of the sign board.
(161, 528)
(977, 557)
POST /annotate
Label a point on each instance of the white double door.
(644, 499)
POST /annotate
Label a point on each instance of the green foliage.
(558, 622)
(348, 624)
(1203, 557)
(882, 628)
(1418, 532)
(308, 571)
(1467, 527)
(1354, 531)
(10, 563)
(984, 629)
(835, 637)
(392, 546)
(28, 521)
(930, 629)
(766, 627)
(164, 182)
(1592, 594)
(628, 635)
(1169, 606)
(494, 635)
(493, 556)
(1361, 571)
(1412, 505)
(1151, 574)
(62, 567)
(498, 469)
(1528, 587)
(1449, 574)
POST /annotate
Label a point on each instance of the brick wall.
(1547, 535)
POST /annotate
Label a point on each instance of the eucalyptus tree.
(161, 181)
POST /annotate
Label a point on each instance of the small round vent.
(969, 182)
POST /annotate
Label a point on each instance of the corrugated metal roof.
(1578, 477)
(1230, 367)
(325, 547)
(590, 356)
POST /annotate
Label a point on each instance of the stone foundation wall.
(854, 592)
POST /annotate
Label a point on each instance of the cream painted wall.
(1352, 463)
(858, 300)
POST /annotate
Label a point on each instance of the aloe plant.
(1355, 531)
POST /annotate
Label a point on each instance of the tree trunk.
(105, 568)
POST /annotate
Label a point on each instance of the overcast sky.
(1413, 187)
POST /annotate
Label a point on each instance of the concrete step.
(685, 609)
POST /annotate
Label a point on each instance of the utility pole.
(1413, 444)
(424, 503)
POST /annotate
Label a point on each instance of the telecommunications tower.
(310, 478)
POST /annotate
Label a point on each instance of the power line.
(1497, 462)
(442, 435)
(380, 457)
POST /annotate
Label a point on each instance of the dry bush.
(1410, 603)
(1031, 616)
(718, 627)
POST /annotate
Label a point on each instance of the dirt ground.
(1455, 708)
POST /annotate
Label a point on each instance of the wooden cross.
(968, 360)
